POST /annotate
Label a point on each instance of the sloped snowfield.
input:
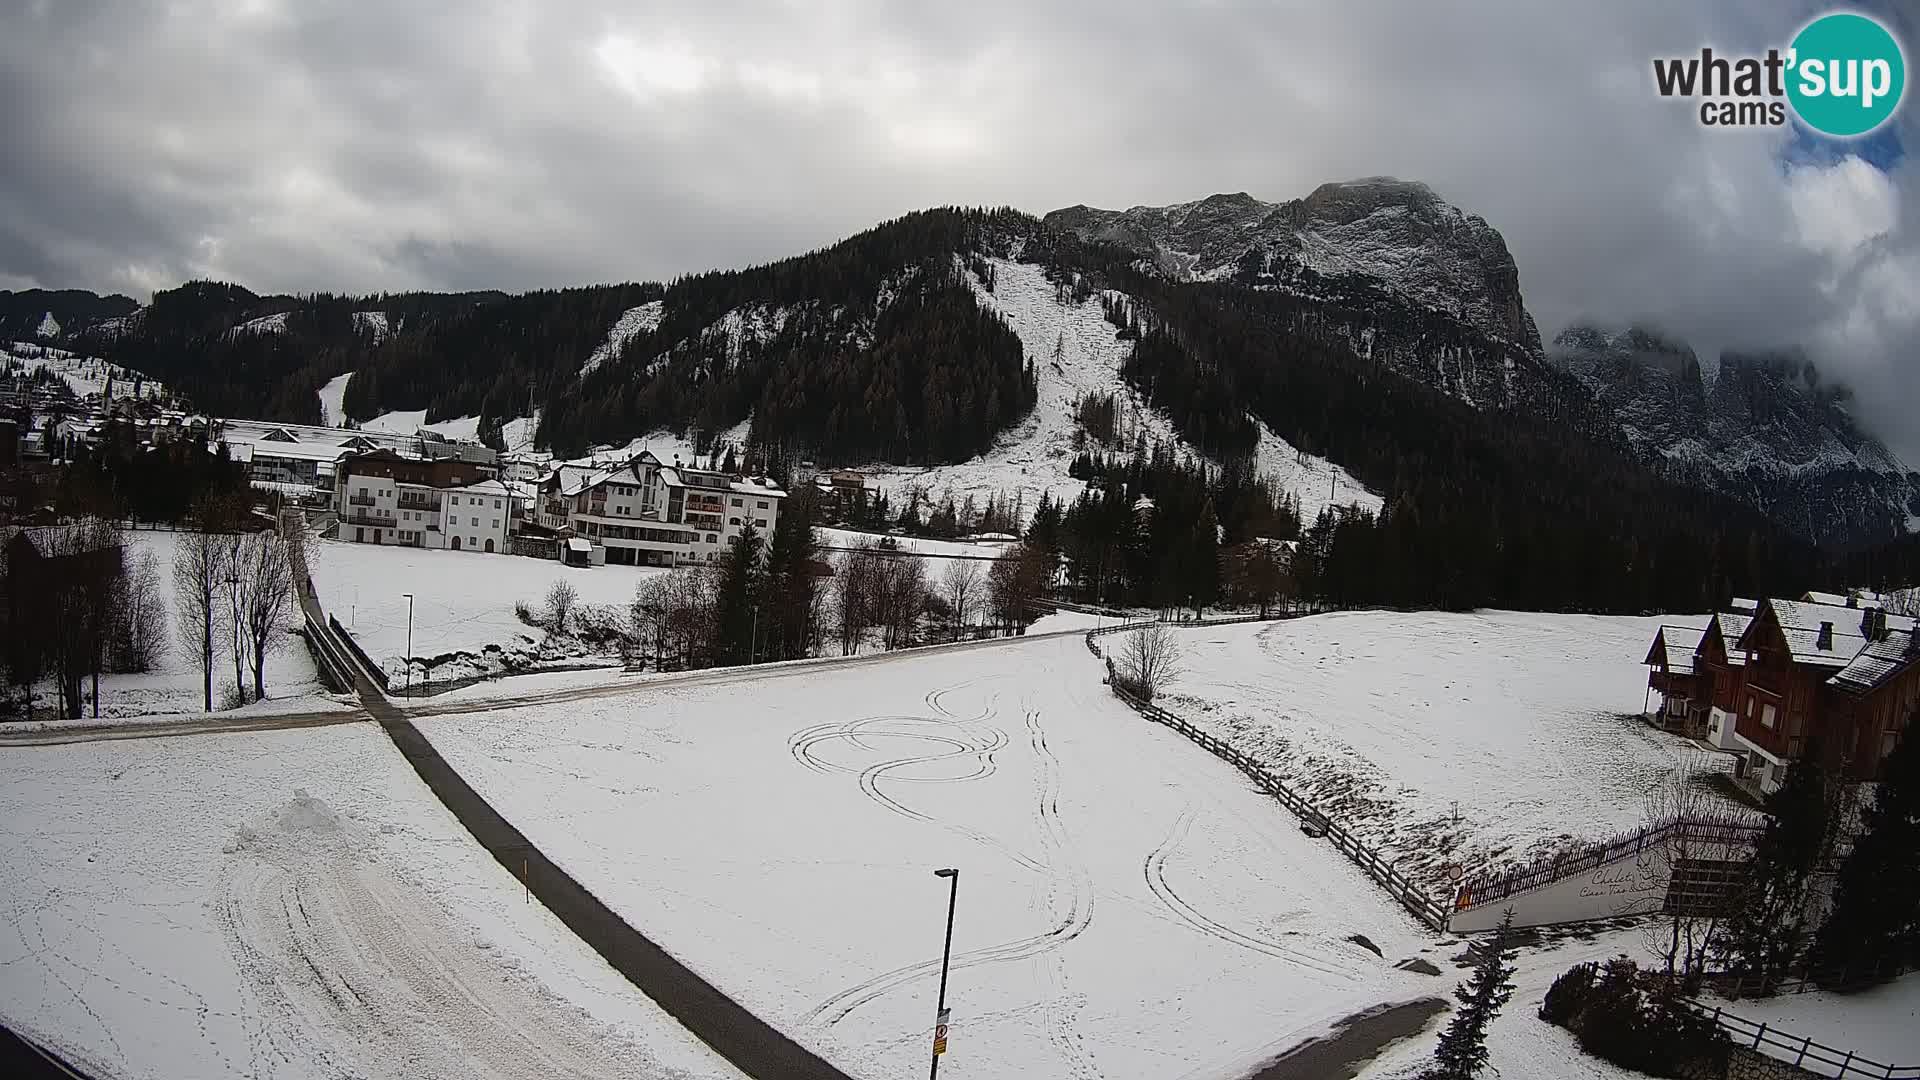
(1075, 353)
(1128, 906)
(290, 904)
(1524, 722)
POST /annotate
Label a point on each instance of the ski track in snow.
(333, 412)
(631, 323)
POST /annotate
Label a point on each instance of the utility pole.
(409, 597)
(946, 960)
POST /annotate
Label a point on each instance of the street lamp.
(946, 959)
(409, 597)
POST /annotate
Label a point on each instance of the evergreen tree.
(1873, 931)
(736, 614)
(1203, 561)
(1767, 927)
(789, 607)
(1463, 1046)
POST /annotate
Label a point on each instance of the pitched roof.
(1674, 647)
(1800, 623)
(1878, 662)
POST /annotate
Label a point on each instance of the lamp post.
(946, 959)
(409, 597)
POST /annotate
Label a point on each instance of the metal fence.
(1317, 822)
(373, 670)
(1801, 1051)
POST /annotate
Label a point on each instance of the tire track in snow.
(1154, 869)
(1062, 862)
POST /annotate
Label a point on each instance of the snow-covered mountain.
(1761, 427)
(1424, 287)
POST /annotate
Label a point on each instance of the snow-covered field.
(936, 556)
(1523, 722)
(1882, 1024)
(290, 904)
(1075, 353)
(174, 686)
(462, 600)
(1128, 906)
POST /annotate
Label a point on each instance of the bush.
(1569, 996)
(1635, 1020)
(561, 600)
(524, 612)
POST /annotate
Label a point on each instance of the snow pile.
(1525, 724)
(632, 322)
(169, 911)
(1130, 907)
(333, 395)
(373, 323)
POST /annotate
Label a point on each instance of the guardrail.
(336, 669)
(1318, 822)
(1801, 1051)
(372, 669)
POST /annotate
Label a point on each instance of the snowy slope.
(332, 412)
(1076, 353)
(634, 320)
(374, 323)
(265, 324)
(84, 375)
(49, 326)
(1394, 719)
(292, 905)
(1128, 907)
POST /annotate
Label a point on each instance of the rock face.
(1396, 236)
(1761, 427)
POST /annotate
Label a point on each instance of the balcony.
(419, 504)
(359, 517)
(361, 500)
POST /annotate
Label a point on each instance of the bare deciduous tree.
(853, 588)
(562, 598)
(199, 578)
(262, 573)
(76, 580)
(1691, 912)
(961, 585)
(672, 614)
(1149, 658)
(140, 619)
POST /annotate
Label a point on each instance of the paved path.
(25, 1060)
(212, 724)
(1355, 1041)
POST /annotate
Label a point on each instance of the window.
(1766, 716)
(736, 502)
(496, 504)
(496, 523)
(454, 499)
(733, 521)
(712, 539)
(476, 523)
(762, 504)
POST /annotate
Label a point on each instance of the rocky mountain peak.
(1391, 236)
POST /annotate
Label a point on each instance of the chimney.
(1825, 641)
(1866, 624)
(1853, 599)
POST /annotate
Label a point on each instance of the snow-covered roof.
(484, 487)
(1801, 623)
(577, 544)
(1731, 627)
(1743, 606)
(294, 451)
(1877, 662)
(1674, 646)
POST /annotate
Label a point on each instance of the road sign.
(940, 1033)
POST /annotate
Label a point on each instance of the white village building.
(644, 513)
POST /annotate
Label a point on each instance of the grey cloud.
(318, 144)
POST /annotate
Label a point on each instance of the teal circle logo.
(1846, 74)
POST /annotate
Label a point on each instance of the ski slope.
(1524, 724)
(1075, 353)
(333, 395)
(1128, 906)
(291, 905)
(86, 376)
(412, 421)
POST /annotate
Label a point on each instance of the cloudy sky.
(298, 145)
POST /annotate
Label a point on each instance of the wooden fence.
(1492, 888)
(1316, 821)
(1801, 1051)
